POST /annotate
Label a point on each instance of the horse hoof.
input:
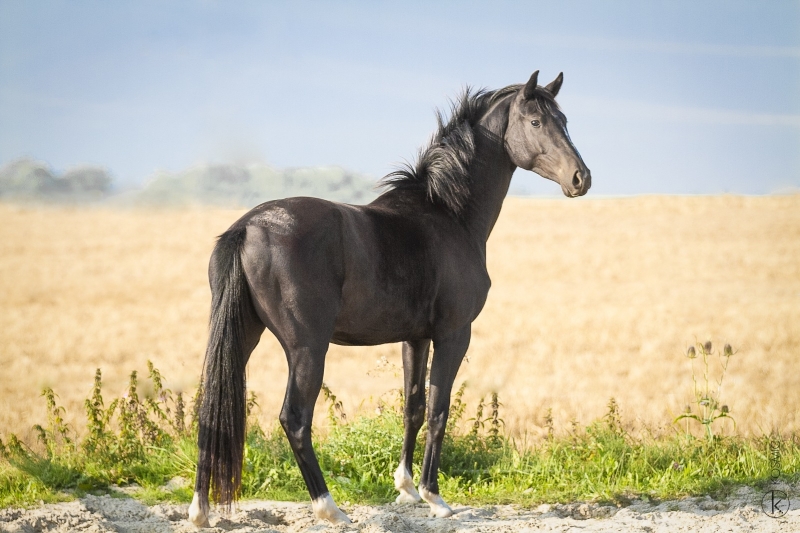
(405, 497)
(201, 522)
(340, 518)
(439, 509)
(405, 485)
(196, 514)
(325, 509)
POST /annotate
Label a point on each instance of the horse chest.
(462, 296)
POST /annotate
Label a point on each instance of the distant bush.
(26, 179)
(238, 186)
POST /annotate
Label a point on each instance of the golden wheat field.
(591, 299)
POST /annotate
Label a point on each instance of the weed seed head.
(691, 353)
(707, 348)
(728, 351)
(725, 409)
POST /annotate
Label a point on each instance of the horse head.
(536, 138)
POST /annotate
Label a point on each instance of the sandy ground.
(742, 511)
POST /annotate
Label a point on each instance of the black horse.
(410, 267)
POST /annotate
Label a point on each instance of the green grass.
(148, 441)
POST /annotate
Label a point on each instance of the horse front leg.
(415, 365)
(448, 352)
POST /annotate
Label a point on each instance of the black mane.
(442, 167)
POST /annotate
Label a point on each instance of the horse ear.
(530, 87)
(554, 86)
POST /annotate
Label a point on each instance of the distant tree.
(28, 179)
(240, 186)
(87, 179)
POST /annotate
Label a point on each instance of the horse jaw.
(439, 509)
(325, 509)
(197, 515)
(404, 483)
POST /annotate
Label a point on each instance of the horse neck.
(490, 172)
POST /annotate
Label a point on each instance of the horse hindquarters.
(234, 333)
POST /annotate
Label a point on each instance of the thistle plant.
(336, 412)
(56, 437)
(549, 423)
(98, 417)
(706, 394)
(494, 433)
(180, 414)
(478, 421)
(197, 402)
(495, 421)
(613, 417)
(457, 407)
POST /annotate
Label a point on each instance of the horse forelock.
(544, 102)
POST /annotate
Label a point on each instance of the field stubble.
(591, 299)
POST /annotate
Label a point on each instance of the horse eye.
(535, 123)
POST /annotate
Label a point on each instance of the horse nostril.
(577, 180)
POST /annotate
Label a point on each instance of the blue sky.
(662, 97)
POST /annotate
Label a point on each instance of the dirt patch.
(742, 511)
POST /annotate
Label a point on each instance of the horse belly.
(370, 316)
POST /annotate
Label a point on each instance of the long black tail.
(223, 411)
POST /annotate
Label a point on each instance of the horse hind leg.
(305, 381)
(199, 510)
(296, 291)
(415, 362)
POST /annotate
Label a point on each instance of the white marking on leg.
(325, 509)
(404, 483)
(439, 509)
(197, 515)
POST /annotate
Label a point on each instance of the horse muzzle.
(579, 185)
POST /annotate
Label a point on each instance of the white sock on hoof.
(439, 509)
(197, 515)
(404, 483)
(325, 509)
